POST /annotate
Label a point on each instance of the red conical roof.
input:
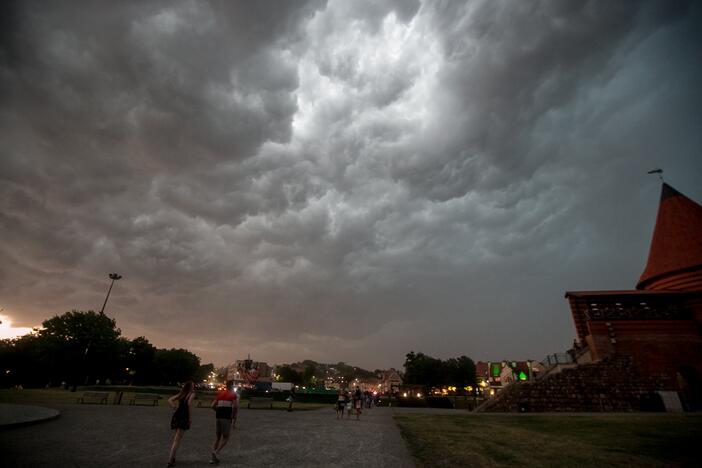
(675, 258)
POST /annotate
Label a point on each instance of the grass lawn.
(299, 406)
(39, 396)
(552, 440)
(33, 396)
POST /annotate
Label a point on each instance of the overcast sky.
(341, 180)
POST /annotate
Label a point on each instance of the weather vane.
(658, 171)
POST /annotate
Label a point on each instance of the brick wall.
(612, 384)
(660, 348)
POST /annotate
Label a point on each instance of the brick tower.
(659, 324)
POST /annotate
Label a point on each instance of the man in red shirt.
(226, 406)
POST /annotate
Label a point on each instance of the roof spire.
(675, 256)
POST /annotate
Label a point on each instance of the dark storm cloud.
(341, 180)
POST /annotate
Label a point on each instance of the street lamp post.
(114, 277)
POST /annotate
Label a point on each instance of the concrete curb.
(14, 416)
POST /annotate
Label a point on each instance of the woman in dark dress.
(180, 421)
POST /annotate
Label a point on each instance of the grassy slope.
(552, 440)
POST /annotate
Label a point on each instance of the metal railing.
(557, 358)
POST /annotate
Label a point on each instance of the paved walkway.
(128, 436)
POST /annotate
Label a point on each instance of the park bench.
(145, 397)
(94, 397)
(260, 402)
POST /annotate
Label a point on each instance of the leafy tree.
(308, 375)
(175, 366)
(204, 371)
(141, 361)
(6, 363)
(288, 374)
(421, 369)
(80, 346)
(460, 372)
(22, 361)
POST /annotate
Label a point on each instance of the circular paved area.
(12, 416)
(128, 436)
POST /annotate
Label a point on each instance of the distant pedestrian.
(291, 399)
(180, 421)
(358, 402)
(341, 403)
(226, 408)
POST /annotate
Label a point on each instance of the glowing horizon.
(8, 331)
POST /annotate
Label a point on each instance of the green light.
(495, 370)
(522, 376)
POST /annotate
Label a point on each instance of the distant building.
(519, 371)
(487, 376)
(249, 371)
(389, 381)
(491, 376)
(365, 384)
(482, 375)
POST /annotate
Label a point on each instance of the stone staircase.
(612, 384)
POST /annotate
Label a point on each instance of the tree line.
(313, 374)
(79, 348)
(421, 369)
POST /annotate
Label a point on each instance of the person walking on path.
(180, 421)
(291, 399)
(341, 404)
(226, 407)
(358, 402)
